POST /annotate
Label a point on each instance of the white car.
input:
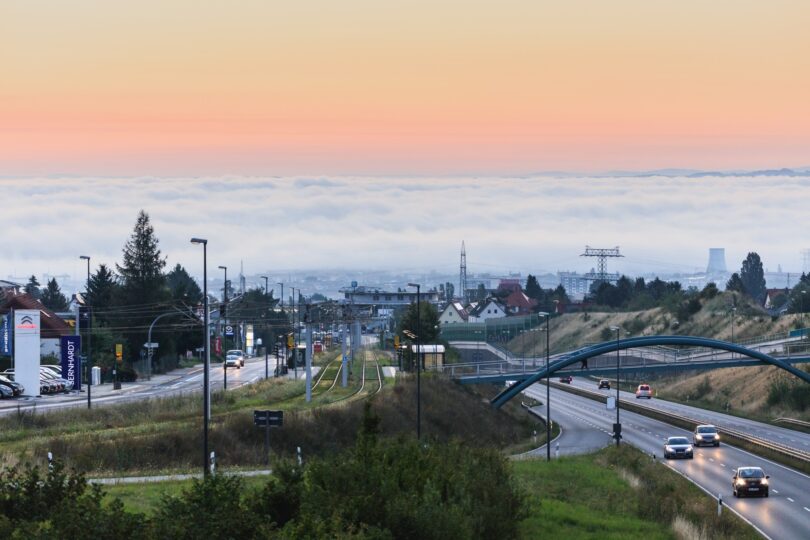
(235, 358)
(644, 391)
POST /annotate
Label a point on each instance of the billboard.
(26, 349)
(6, 335)
(71, 361)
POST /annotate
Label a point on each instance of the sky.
(369, 134)
(400, 88)
(410, 225)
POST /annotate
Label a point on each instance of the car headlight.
(689, 448)
(764, 481)
(699, 436)
(668, 448)
(717, 436)
(740, 482)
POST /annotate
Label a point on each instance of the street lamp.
(225, 330)
(266, 345)
(617, 429)
(265, 283)
(803, 293)
(207, 348)
(733, 314)
(548, 390)
(89, 329)
(418, 365)
(295, 335)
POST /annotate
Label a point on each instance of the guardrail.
(794, 421)
(689, 423)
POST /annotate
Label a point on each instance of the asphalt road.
(181, 381)
(784, 515)
(788, 437)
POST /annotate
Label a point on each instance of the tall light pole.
(225, 330)
(617, 429)
(207, 348)
(733, 314)
(418, 364)
(295, 338)
(548, 389)
(803, 293)
(266, 353)
(89, 330)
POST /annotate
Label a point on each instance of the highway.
(784, 515)
(177, 382)
(788, 437)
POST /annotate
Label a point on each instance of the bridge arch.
(636, 342)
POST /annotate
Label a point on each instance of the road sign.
(152, 345)
(268, 418)
(229, 330)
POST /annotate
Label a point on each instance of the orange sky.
(370, 87)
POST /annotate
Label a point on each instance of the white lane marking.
(774, 491)
(722, 464)
(808, 509)
(711, 459)
(791, 500)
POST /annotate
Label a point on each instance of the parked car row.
(50, 381)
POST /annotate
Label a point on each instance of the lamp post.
(266, 352)
(418, 365)
(207, 349)
(225, 329)
(548, 389)
(803, 293)
(295, 341)
(617, 429)
(89, 329)
(733, 314)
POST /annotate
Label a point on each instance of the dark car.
(604, 383)
(678, 447)
(566, 379)
(706, 435)
(16, 388)
(749, 481)
(6, 392)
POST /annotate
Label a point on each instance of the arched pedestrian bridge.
(525, 375)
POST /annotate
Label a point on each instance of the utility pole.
(225, 329)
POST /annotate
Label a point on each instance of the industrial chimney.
(717, 261)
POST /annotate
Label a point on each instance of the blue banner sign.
(71, 361)
(6, 335)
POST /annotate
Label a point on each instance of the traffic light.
(396, 342)
(290, 341)
(222, 308)
(119, 352)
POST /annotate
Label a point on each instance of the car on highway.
(706, 435)
(604, 383)
(6, 392)
(644, 391)
(566, 379)
(678, 447)
(750, 481)
(16, 388)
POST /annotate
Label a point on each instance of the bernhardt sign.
(71, 361)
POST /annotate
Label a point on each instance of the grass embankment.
(164, 435)
(618, 493)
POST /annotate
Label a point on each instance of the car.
(6, 392)
(238, 354)
(644, 391)
(706, 435)
(604, 383)
(750, 481)
(233, 360)
(566, 379)
(678, 447)
(16, 388)
(317, 347)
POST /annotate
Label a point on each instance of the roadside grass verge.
(617, 493)
(166, 434)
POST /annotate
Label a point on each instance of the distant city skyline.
(410, 225)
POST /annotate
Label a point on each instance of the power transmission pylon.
(602, 255)
(462, 275)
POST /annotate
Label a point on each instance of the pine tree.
(753, 277)
(142, 282)
(52, 297)
(533, 289)
(183, 287)
(102, 292)
(32, 287)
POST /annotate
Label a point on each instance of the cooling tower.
(717, 261)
